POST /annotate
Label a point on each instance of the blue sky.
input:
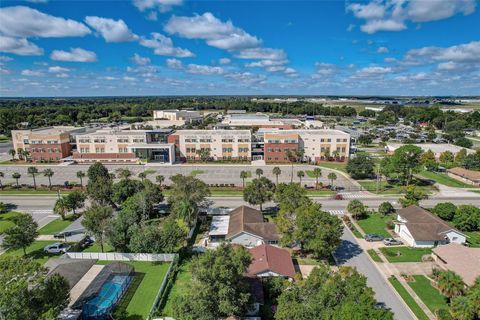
(175, 47)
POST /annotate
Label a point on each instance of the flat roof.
(219, 226)
(435, 147)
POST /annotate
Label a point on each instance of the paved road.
(350, 254)
(211, 174)
(5, 147)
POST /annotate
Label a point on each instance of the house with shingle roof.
(462, 260)
(270, 261)
(422, 229)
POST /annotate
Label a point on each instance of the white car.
(56, 248)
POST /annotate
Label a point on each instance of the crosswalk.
(355, 195)
(337, 212)
(42, 212)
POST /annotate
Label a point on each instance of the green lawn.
(35, 251)
(374, 255)
(150, 171)
(473, 238)
(140, 296)
(311, 174)
(408, 299)
(180, 287)
(404, 254)
(56, 225)
(95, 247)
(387, 188)
(195, 172)
(340, 166)
(375, 223)
(6, 220)
(432, 298)
(444, 179)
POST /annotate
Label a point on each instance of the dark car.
(338, 197)
(392, 242)
(373, 237)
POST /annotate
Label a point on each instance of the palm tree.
(277, 172)
(142, 175)
(332, 176)
(33, 171)
(12, 152)
(20, 153)
(317, 172)
(81, 175)
(450, 284)
(1, 176)
(16, 176)
(243, 176)
(259, 172)
(462, 308)
(335, 154)
(61, 207)
(300, 175)
(49, 174)
(124, 173)
(160, 179)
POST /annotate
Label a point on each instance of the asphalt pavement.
(349, 253)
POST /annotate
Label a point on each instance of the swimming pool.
(106, 299)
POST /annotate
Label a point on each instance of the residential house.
(464, 175)
(421, 229)
(270, 261)
(462, 260)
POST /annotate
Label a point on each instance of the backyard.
(140, 296)
(404, 254)
(375, 223)
(179, 288)
(432, 298)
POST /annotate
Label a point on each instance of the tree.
(327, 294)
(124, 189)
(460, 156)
(429, 161)
(167, 237)
(360, 167)
(1, 176)
(12, 153)
(123, 173)
(276, 171)
(49, 174)
(365, 139)
(3, 207)
(471, 162)
(386, 208)
(300, 175)
(357, 209)
(446, 157)
(99, 187)
(160, 179)
(445, 210)
(33, 172)
(218, 289)
(406, 161)
(243, 176)
(463, 142)
(259, 191)
(467, 218)
(259, 172)
(20, 154)
(332, 176)
(317, 173)
(317, 231)
(27, 293)
(413, 195)
(450, 284)
(22, 234)
(461, 308)
(121, 229)
(61, 207)
(75, 200)
(16, 176)
(142, 176)
(81, 175)
(97, 220)
(204, 154)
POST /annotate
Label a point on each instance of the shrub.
(386, 208)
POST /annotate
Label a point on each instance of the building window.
(270, 150)
(277, 149)
(322, 140)
(329, 140)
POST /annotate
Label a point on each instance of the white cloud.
(262, 54)
(222, 35)
(350, 27)
(74, 55)
(20, 46)
(203, 69)
(57, 69)
(174, 64)
(468, 52)
(137, 59)
(31, 73)
(224, 61)
(108, 78)
(291, 72)
(5, 58)
(111, 30)
(4, 71)
(129, 78)
(382, 50)
(247, 78)
(163, 46)
(62, 75)
(392, 15)
(267, 63)
(162, 5)
(37, 1)
(26, 22)
(325, 69)
(372, 72)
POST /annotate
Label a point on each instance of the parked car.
(62, 235)
(338, 197)
(373, 237)
(86, 242)
(56, 248)
(392, 242)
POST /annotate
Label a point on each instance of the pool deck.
(81, 285)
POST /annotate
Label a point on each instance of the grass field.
(473, 238)
(387, 188)
(375, 223)
(140, 296)
(56, 225)
(340, 166)
(372, 253)
(195, 172)
(95, 247)
(432, 298)
(180, 287)
(442, 178)
(6, 220)
(405, 254)
(35, 251)
(408, 299)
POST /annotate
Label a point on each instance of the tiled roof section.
(469, 174)
(269, 258)
(246, 219)
(423, 225)
(460, 259)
